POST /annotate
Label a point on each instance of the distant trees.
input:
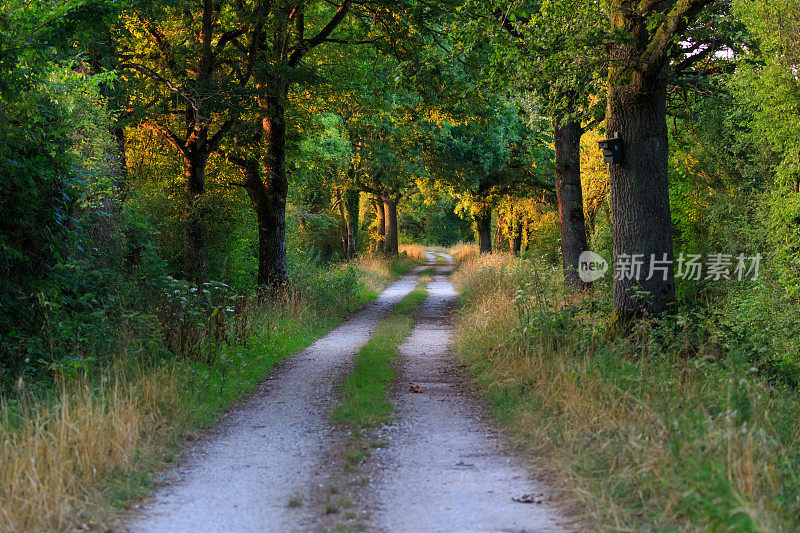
(766, 85)
(486, 154)
(554, 48)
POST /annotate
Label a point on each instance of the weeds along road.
(444, 468)
(244, 472)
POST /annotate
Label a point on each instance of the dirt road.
(444, 468)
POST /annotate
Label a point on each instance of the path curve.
(445, 468)
(241, 476)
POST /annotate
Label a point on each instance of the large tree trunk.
(271, 209)
(567, 141)
(194, 235)
(483, 225)
(390, 207)
(350, 201)
(380, 212)
(640, 212)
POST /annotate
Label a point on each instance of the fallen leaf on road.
(530, 498)
(414, 388)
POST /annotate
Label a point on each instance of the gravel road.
(242, 474)
(445, 468)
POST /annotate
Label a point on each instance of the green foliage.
(767, 84)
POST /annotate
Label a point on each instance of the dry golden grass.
(414, 251)
(642, 439)
(54, 453)
(376, 271)
(463, 251)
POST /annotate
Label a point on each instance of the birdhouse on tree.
(612, 150)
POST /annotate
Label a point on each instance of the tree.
(646, 39)
(555, 48)
(259, 150)
(188, 76)
(486, 154)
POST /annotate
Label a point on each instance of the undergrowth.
(671, 428)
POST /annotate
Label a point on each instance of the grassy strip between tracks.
(364, 406)
(365, 401)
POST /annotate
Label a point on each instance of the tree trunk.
(390, 207)
(271, 210)
(640, 211)
(343, 233)
(567, 141)
(350, 201)
(483, 224)
(500, 241)
(194, 235)
(380, 242)
(516, 245)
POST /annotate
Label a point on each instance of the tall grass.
(670, 428)
(68, 457)
(54, 454)
(414, 251)
(463, 251)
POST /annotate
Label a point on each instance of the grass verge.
(75, 457)
(364, 405)
(364, 396)
(669, 429)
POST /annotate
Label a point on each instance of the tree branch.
(178, 143)
(309, 44)
(677, 20)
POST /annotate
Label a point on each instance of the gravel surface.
(445, 469)
(242, 474)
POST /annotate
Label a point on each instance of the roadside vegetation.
(95, 441)
(675, 426)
